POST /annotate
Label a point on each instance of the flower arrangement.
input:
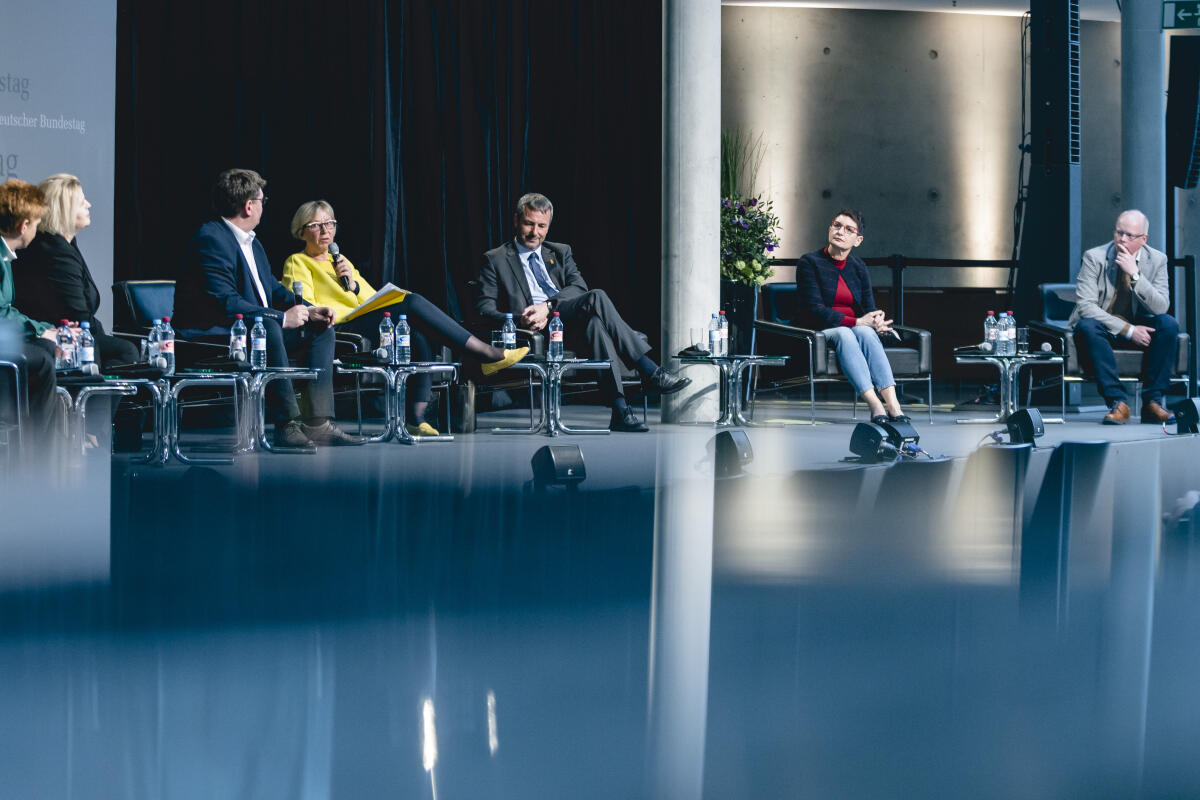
(749, 233)
(749, 226)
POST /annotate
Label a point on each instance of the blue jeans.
(861, 356)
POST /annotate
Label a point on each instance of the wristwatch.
(1133, 279)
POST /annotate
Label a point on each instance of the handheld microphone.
(298, 290)
(336, 255)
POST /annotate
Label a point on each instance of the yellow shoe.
(424, 429)
(510, 357)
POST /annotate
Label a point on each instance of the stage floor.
(428, 621)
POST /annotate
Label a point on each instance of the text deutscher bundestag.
(59, 123)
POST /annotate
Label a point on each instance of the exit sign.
(1182, 15)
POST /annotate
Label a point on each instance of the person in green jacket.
(23, 340)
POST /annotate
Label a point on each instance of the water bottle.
(258, 344)
(989, 333)
(556, 338)
(509, 329)
(152, 343)
(166, 345)
(1012, 334)
(86, 345)
(714, 336)
(387, 338)
(1002, 335)
(66, 358)
(403, 340)
(724, 331)
(237, 339)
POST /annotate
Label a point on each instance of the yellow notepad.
(386, 296)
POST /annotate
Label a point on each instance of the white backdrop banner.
(58, 110)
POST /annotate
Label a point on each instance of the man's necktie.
(540, 275)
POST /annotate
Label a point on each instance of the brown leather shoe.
(1118, 414)
(1154, 414)
(328, 433)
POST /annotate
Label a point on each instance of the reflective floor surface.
(431, 621)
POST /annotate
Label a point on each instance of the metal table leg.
(160, 452)
(258, 388)
(79, 408)
(175, 412)
(556, 424)
(1002, 367)
(543, 421)
(400, 378)
(388, 410)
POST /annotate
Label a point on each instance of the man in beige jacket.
(1121, 297)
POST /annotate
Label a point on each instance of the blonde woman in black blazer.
(52, 278)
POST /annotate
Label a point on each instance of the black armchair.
(1058, 302)
(911, 358)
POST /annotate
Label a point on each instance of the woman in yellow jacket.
(322, 276)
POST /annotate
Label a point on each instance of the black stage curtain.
(421, 121)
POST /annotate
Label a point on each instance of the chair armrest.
(345, 342)
(922, 341)
(534, 340)
(818, 350)
(1051, 332)
(784, 330)
(359, 343)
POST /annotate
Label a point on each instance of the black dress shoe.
(291, 434)
(626, 421)
(879, 419)
(900, 418)
(328, 433)
(666, 383)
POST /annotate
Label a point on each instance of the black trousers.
(1095, 346)
(36, 363)
(592, 325)
(115, 350)
(311, 348)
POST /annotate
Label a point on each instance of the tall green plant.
(741, 157)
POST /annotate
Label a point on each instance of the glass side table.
(1010, 370)
(395, 377)
(551, 375)
(732, 368)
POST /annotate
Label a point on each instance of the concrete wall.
(914, 118)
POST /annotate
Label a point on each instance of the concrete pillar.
(1143, 114)
(691, 160)
(680, 614)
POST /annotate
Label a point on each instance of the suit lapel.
(517, 276)
(554, 266)
(246, 282)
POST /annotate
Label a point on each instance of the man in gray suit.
(1122, 296)
(532, 279)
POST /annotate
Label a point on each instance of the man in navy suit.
(225, 273)
(532, 278)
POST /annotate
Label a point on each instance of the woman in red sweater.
(834, 297)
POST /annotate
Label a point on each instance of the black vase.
(740, 303)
